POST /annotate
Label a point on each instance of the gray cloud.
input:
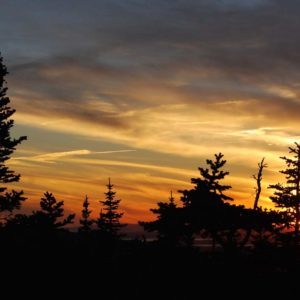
(64, 55)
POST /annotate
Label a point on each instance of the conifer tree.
(85, 221)
(50, 214)
(109, 218)
(8, 200)
(205, 206)
(208, 192)
(211, 177)
(287, 196)
(168, 223)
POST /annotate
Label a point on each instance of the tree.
(261, 221)
(50, 214)
(287, 196)
(205, 206)
(265, 222)
(85, 221)
(168, 224)
(109, 218)
(8, 200)
(211, 177)
(258, 179)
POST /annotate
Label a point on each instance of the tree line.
(205, 210)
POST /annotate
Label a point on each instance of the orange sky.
(145, 92)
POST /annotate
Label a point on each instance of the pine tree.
(287, 196)
(85, 221)
(168, 223)
(50, 214)
(211, 177)
(8, 200)
(208, 192)
(109, 218)
(205, 206)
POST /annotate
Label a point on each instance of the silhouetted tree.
(207, 211)
(265, 223)
(8, 200)
(168, 224)
(109, 218)
(258, 179)
(204, 205)
(287, 196)
(19, 222)
(85, 221)
(50, 214)
(212, 176)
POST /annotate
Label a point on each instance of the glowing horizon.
(145, 92)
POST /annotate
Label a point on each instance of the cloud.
(137, 56)
(53, 157)
(186, 78)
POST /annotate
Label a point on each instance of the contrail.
(114, 151)
(51, 157)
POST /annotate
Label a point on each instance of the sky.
(144, 91)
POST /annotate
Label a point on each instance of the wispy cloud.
(187, 78)
(53, 157)
(143, 81)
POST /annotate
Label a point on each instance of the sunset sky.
(143, 91)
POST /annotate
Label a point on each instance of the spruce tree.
(8, 200)
(208, 192)
(85, 221)
(49, 217)
(211, 177)
(109, 218)
(168, 223)
(287, 196)
(205, 206)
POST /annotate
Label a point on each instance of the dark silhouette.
(258, 179)
(206, 213)
(109, 219)
(49, 217)
(169, 223)
(85, 221)
(212, 176)
(266, 223)
(8, 200)
(288, 197)
(206, 210)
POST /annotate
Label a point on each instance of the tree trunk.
(258, 179)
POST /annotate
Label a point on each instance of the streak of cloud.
(53, 157)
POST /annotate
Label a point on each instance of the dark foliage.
(169, 223)
(49, 217)
(86, 222)
(109, 218)
(8, 200)
(287, 197)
